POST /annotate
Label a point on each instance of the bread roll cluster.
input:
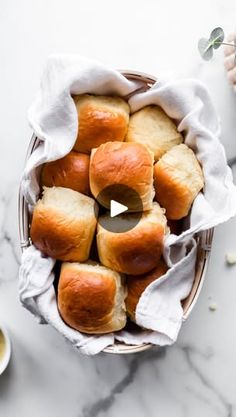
(104, 273)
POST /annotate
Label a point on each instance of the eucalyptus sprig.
(216, 39)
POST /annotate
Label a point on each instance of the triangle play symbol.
(117, 208)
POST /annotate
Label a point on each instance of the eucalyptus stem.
(225, 43)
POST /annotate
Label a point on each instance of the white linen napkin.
(53, 118)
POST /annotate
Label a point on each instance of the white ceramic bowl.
(7, 354)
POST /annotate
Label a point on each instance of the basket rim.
(204, 238)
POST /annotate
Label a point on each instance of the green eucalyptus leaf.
(217, 37)
(205, 48)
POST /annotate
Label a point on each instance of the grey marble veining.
(9, 241)
(46, 376)
(103, 405)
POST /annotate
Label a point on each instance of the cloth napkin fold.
(53, 118)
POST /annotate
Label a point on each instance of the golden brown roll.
(129, 164)
(178, 179)
(91, 298)
(136, 251)
(152, 127)
(137, 284)
(101, 119)
(72, 171)
(63, 224)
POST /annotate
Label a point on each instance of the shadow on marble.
(6, 379)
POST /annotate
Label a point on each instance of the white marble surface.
(46, 377)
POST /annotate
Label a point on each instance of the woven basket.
(204, 239)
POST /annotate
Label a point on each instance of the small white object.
(213, 307)
(230, 258)
(4, 360)
(117, 208)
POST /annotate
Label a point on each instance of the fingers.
(232, 75)
(229, 62)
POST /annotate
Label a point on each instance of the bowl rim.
(6, 358)
(204, 238)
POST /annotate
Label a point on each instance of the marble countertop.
(46, 377)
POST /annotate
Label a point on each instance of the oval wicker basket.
(204, 239)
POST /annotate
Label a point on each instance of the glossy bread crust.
(138, 250)
(100, 119)
(129, 164)
(153, 128)
(178, 178)
(91, 298)
(63, 224)
(72, 172)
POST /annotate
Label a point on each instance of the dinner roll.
(63, 224)
(129, 164)
(139, 249)
(72, 171)
(178, 179)
(101, 119)
(152, 127)
(137, 284)
(91, 298)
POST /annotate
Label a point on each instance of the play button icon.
(117, 208)
(121, 208)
